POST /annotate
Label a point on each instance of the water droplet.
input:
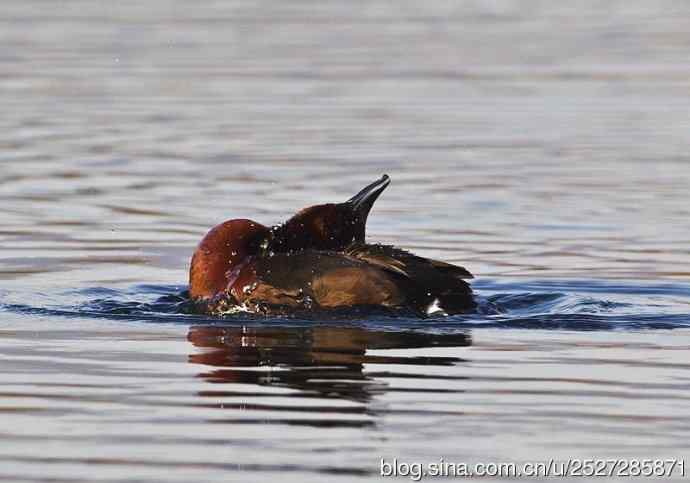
(307, 302)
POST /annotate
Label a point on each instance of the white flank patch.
(435, 308)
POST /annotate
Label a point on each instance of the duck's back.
(363, 275)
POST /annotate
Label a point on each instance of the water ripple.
(538, 304)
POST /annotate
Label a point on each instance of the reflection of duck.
(318, 259)
(326, 361)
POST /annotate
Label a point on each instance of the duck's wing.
(317, 279)
(403, 262)
(435, 283)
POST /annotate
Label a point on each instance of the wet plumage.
(319, 260)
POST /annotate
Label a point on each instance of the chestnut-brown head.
(332, 226)
(222, 249)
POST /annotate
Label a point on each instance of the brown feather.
(313, 279)
(364, 275)
(403, 262)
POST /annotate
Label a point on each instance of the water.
(541, 145)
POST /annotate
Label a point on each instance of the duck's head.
(331, 226)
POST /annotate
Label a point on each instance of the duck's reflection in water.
(323, 362)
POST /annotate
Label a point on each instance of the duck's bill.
(364, 200)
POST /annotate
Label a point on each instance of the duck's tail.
(435, 285)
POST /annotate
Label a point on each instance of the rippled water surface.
(542, 145)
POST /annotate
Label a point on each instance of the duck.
(319, 261)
